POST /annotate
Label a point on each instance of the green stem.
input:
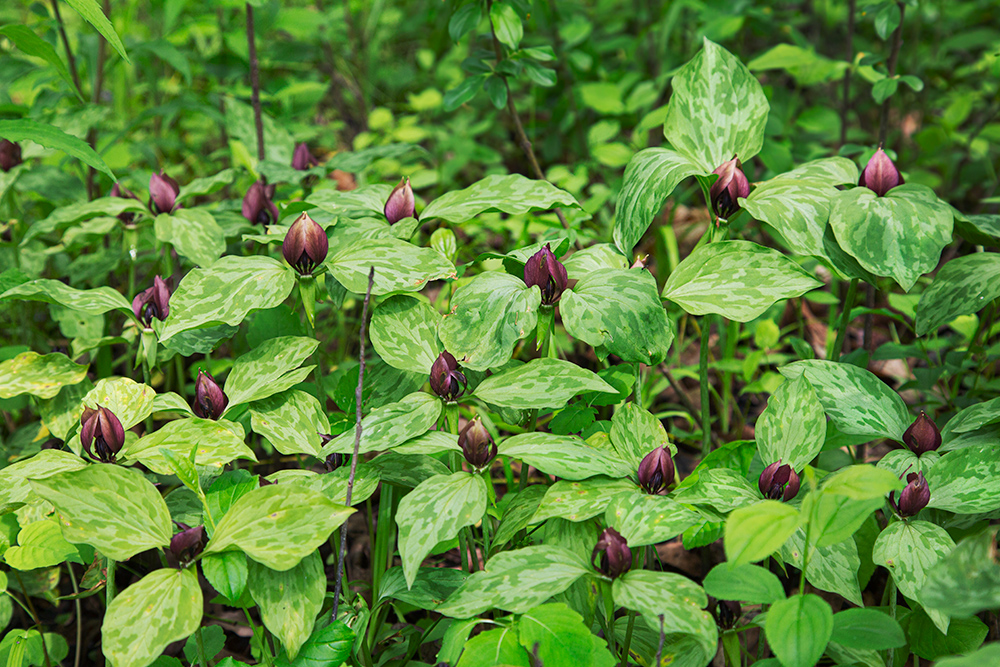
(265, 650)
(463, 551)
(807, 548)
(609, 611)
(891, 590)
(110, 591)
(79, 617)
(845, 318)
(706, 419)
(628, 637)
(523, 481)
(201, 649)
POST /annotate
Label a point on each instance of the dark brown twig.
(65, 41)
(357, 444)
(102, 55)
(897, 41)
(255, 84)
(846, 105)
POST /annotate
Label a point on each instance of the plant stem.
(79, 618)
(706, 419)
(102, 55)
(32, 613)
(110, 591)
(65, 41)
(897, 41)
(609, 611)
(201, 648)
(357, 441)
(259, 636)
(846, 104)
(628, 637)
(845, 318)
(255, 86)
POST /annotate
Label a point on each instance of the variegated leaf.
(963, 286)
(511, 193)
(796, 210)
(643, 519)
(90, 301)
(965, 481)
(399, 266)
(579, 501)
(291, 421)
(540, 383)
(129, 400)
(566, 456)
(390, 425)
(909, 550)
(832, 568)
(289, 600)
(721, 489)
(831, 170)
(594, 258)
(194, 233)
(404, 333)
(39, 375)
(792, 428)
(635, 432)
(261, 372)
(216, 443)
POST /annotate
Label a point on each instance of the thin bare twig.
(659, 651)
(65, 41)
(102, 55)
(846, 106)
(897, 41)
(255, 84)
(357, 444)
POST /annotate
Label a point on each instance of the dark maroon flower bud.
(152, 303)
(302, 159)
(446, 380)
(656, 471)
(880, 174)
(163, 192)
(305, 245)
(10, 154)
(477, 444)
(257, 205)
(101, 435)
(922, 435)
(915, 496)
(616, 557)
(726, 191)
(210, 401)
(186, 545)
(727, 612)
(544, 271)
(400, 203)
(778, 482)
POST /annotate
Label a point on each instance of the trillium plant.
(306, 417)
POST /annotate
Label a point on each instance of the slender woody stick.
(846, 105)
(357, 445)
(255, 84)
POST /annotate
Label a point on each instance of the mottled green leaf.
(90, 301)
(643, 519)
(516, 581)
(267, 369)
(39, 375)
(226, 292)
(14, 485)
(194, 233)
(965, 481)
(792, 428)
(517, 515)
(736, 279)
(540, 383)
(748, 583)
(435, 511)
(368, 198)
(717, 110)
(579, 501)
(199, 187)
(963, 286)
(755, 532)
(798, 629)
(651, 175)
(390, 425)
(278, 525)
(333, 485)
(719, 488)
(594, 258)
(909, 549)
(40, 544)
(619, 312)
(830, 170)
(965, 581)
(796, 210)
(51, 136)
(513, 194)
(131, 401)
(857, 401)
(566, 456)
(408, 470)
(635, 432)
(291, 421)
(899, 236)
(289, 600)
(431, 587)
(215, 444)
(161, 608)
(832, 568)
(111, 508)
(399, 266)
(489, 315)
(404, 333)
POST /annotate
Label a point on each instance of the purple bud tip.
(401, 203)
(477, 444)
(186, 545)
(616, 557)
(163, 192)
(446, 380)
(10, 154)
(656, 471)
(101, 435)
(210, 401)
(730, 186)
(880, 174)
(302, 159)
(305, 245)
(257, 205)
(914, 497)
(152, 303)
(922, 435)
(778, 482)
(544, 271)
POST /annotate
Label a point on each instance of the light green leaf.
(792, 428)
(506, 24)
(635, 432)
(899, 235)
(291, 421)
(91, 301)
(643, 519)
(796, 210)
(327, 647)
(31, 44)
(963, 286)
(404, 333)
(717, 110)
(278, 525)
(268, 369)
(131, 401)
(49, 136)
(804, 64)
(494, 647)
(489, 315)
(619, 312)
(965, 481)
(832, 568)
(227, 572)
(966, 581)
(867, 629)
(39, 375)
(558, 635)
(579, 501)
(830, 170)
(289, 600)
(206, 185)
(113, 509)
(513, 194)
(431, 587)
(40, 544)
(651, 175)
(736, 279)
(566, 456)
(988, 654)
(194, 233)
(719, 488)
(909, 550)
(540, 383)
(755, 532)
(435, 511)
(163, 607)
(215, 444)
(594, 258)
(399, 266)
(368, 199)
(14, 485)
(857, 402)
(390, 425)
(745, 583)
(845, 501)
(518, 513)
(516, 581)
(91, 12)
(798, 629)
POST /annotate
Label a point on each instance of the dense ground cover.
(503, 332)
